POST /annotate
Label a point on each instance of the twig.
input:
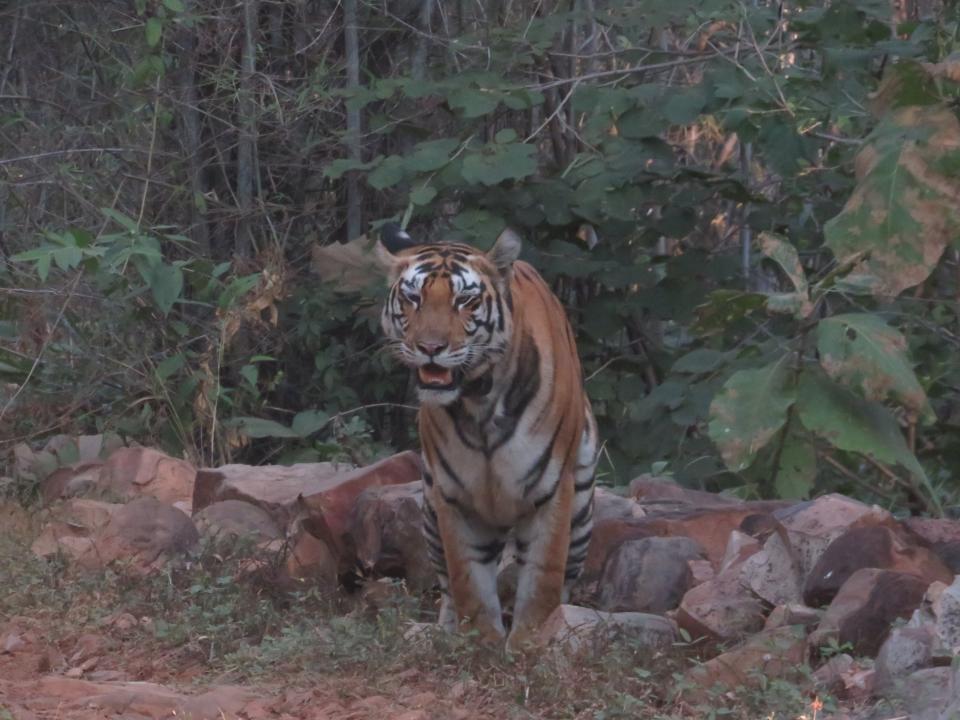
(153, 145)
(36, 360)
(855, 478)
(54, 153)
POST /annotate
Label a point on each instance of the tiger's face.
(448, 313)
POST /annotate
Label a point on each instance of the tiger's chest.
(492, 465)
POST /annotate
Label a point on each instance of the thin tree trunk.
(421, 51)
(247, 145)
(354, 148)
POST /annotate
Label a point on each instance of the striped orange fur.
(508, 436)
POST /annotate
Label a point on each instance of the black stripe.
(427, 478)
(550, 493)
(585, 485)
(572, 573)
(453, 411)
(448, 470)
(500, 320)
(489, 552)
(535, 473)
(582, 517)
(580, 541)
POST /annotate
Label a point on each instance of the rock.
(651, 491)
(771, 654)
(811, 526)
(739, 547)
(946, 610)
(773, 573)
(71, 481)
(792, 614)
(932, 531)
(311, 558)
(865, 606)
(648, 575)
(609, 505)
(701, 571)
(387, 528)
(323, 492)
(930, 694)
(71, 527)
(231, 519)
(576, 629)
(829, 676)
(132, 472)
(906, 649)
(722, 608)
(145, 532)
(869, 547)
(949, 554)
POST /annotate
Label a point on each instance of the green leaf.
(166, 284)
(851, 423)
(176, 6)
(750, 409)
(496, 163)
(865, 354)
(154, 31)
(308, 422)
(336, 169)
(168, 366)
(251, 374)
(387, 174)
(903, 211)
(121, 219)
(780, 251)
(474, 102)
(796, 470)
(700, 361)
(431, 155)
(507, 135)
(423, 195)
(259, 428)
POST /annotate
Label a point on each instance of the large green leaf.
(797, 465)
(496, 163)
(780, 251)
(864, 353)
(750, 409)
(166, 284)
(851, 423)
(905, 207)
(260, 428)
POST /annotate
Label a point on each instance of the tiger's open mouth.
(436, 377)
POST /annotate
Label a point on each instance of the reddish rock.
(811, 526)
(701, 571)
(132, 472)
(651, 492)
(71, 527)
(792, 614)
(866, 605)
(71, 481)
(387, 529)
(869, 547)
(722, 608)
(577, 629)
(949, 554)
(932, 531)
(323, 492)
(739, 547)
(608, 505)
(230, 519)
(648, 575)
(144, 533)
(311, 558)
(771, 654)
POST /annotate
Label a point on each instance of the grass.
(213, 615)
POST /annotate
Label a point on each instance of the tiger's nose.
(431, 348)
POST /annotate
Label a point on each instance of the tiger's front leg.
(465, 553)
(543, 542)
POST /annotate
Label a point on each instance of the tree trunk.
(354, 146)
(247, 144)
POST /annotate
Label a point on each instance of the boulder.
(929, 694)
(324, 493)
(739, 547)
(71, 481)
(771, 654)
(309, 557)
(648, 575)
(773, 573)
(869, 547)
(949, 554)
(577, 629)
(653, 492)
(811, 526)
(932, 531)
(609, 506)
(144, 533)
(792, 614)
(387, 528)
(136, 471)
(231, 519)
(71, 526)
(906, 649)
(866, 605)
(721, 609)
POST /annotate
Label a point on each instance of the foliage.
(749, 210)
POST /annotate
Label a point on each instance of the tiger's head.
(449, 312)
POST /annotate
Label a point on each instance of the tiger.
(507, 433)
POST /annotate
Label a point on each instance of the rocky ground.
(689, 602)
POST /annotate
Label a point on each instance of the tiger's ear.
(505, 250)
(392, 240)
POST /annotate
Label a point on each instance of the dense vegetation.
(750, 210)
